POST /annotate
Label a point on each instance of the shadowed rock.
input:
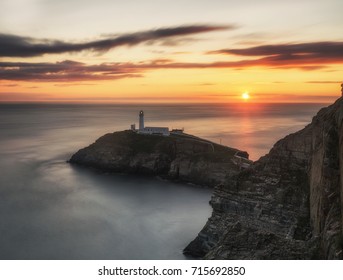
(177, 157)
(288, 205)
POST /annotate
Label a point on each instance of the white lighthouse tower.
(149, 129)
(141, 120)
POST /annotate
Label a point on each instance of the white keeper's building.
(149, 129)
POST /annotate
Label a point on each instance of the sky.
(110, 51)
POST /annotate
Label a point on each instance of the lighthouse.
(141, 120)
(149, 129)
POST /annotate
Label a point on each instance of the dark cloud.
(324, 82)
(321, 49)
(308, 56)
(10, 85)
(73, 84)
(65, 71)
(237, 65)
(17, 46)
(206, 84)
(72, 71)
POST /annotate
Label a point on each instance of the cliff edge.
(178, 157)
(288, 205)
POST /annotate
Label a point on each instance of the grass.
(145, 143)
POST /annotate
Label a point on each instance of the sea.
(50, 209)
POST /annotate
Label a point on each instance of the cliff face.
(180, 157)
(288, 205)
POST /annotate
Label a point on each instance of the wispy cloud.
(206, 84)
(65, 71)
(71, 71)
(10, 85)
(324, 82)
(17, 46)
(327, 49)
(73, 84)
(308, 56)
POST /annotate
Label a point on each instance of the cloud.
(327, 49)
(72, 71)
(64, 71)
(307, 56)
(324, 82)
(10, 85)
(237, 65)
(73, 84)
(17, 46)
(206, 84)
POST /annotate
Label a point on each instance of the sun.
(245, 95)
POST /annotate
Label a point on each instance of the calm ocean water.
(51, 210)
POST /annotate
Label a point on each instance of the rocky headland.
(179, 157)
(286, 205)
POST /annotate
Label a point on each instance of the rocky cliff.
(179, 157)
(288, 205)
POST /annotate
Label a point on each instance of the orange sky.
(189, 51)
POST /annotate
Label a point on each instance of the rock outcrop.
(288, 205)
(178, 157)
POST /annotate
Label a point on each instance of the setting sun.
(245, 96)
